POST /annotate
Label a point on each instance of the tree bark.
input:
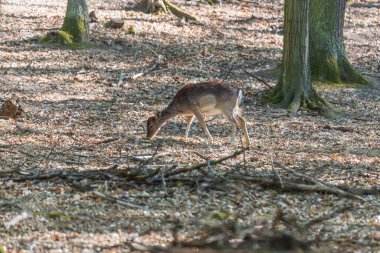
(294, 89)
(328, 58)
(76, 21)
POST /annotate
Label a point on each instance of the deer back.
(209, 97)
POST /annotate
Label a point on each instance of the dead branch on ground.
(141, 174)
(292, 186)
(322, 186)
(302, 227)
(205, 164)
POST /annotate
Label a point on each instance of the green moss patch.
(132, 30)
(65, 39)
(76, 27)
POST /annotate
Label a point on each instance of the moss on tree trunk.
(294, 89)
(328, 59)
(76, 21)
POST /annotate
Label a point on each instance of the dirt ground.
(78, 176)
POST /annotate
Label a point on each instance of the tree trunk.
(328, 57)
(76, 21)
(294, 89)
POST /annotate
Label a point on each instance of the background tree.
(328, 57)
(75, 28)
(294, 89)
(76, 21)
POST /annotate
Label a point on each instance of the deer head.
(152, 125)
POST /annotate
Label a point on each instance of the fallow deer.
(209, 98)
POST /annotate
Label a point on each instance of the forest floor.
(77, 174)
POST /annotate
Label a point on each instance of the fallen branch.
(325, 216)
(302, 227)
(106, 141)
(374, 190)
(322, 186)
(291, 186)
(41, 177)
(205, 164)
(339, 128)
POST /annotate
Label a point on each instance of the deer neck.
(168, 113)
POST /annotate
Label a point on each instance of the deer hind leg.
(189, 121)
(201, 121)
(243, 126)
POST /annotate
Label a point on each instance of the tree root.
(349, 74)
(314, 102)
(178, 12)
(59, 36)
(165, 6)
(63, 38)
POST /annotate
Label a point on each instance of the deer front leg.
(233, 123)
(201, 121)
(243, 126)
(233, 133)
(189, 121)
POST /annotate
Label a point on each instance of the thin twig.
(227, 75)
(163, 181)
(258, 78)
(310, 179)
(152, 157)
